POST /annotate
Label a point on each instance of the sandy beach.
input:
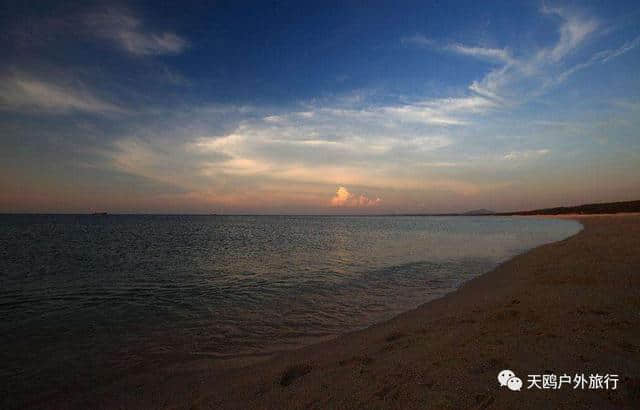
(568, 307)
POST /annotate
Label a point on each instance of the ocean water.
(84, 295)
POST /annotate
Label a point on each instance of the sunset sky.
(317, 107)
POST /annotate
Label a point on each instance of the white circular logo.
(508, 378)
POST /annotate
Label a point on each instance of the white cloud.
(485, 53)
(534, 72)
(324, 137)
(482, 52)
(321, 145)
(23, 92)
(128, 32)
(444, 111)
(521, 155)
(344, 198)
(599, 57)
(573, 31)
(628, 46)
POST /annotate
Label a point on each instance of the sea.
(84, 296)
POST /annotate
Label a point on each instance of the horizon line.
(635, 205)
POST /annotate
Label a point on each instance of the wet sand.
(568, 307)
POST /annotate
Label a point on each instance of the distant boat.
(99, 214)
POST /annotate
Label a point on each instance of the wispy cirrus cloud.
(498, 54)
(536, 72)
(323, 136)
(276, 150)
(128, 32)
(19, 91)
(493, 54)
(321, 146)
(573, 30)
(607, 55)
(600, 57)
(532, 73)
(348, 143)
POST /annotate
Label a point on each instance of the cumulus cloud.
(344, 198)
(128, 32)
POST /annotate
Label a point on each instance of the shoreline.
(241, 359)
(531, 314)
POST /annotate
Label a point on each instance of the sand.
(568, 307)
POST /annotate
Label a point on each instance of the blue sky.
(289, 107)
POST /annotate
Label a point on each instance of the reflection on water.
(77, 291)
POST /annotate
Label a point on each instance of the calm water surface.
(79, 294)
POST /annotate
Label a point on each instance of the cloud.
(443, 111)
(344, 198)
(314, 145)
(607, 55)
(485, 53)
(353, 141)
(600, 57)
(573, 31)
(482, 52)
(23, 92)
(419, 40)
(521, 155)
(325, 136)
(533, 72)
(126, 31)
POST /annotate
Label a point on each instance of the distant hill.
(603, 208)
(479, 212)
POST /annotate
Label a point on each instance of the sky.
(317, 107)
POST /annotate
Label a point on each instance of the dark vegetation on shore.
(602, 208)
(585, 209)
